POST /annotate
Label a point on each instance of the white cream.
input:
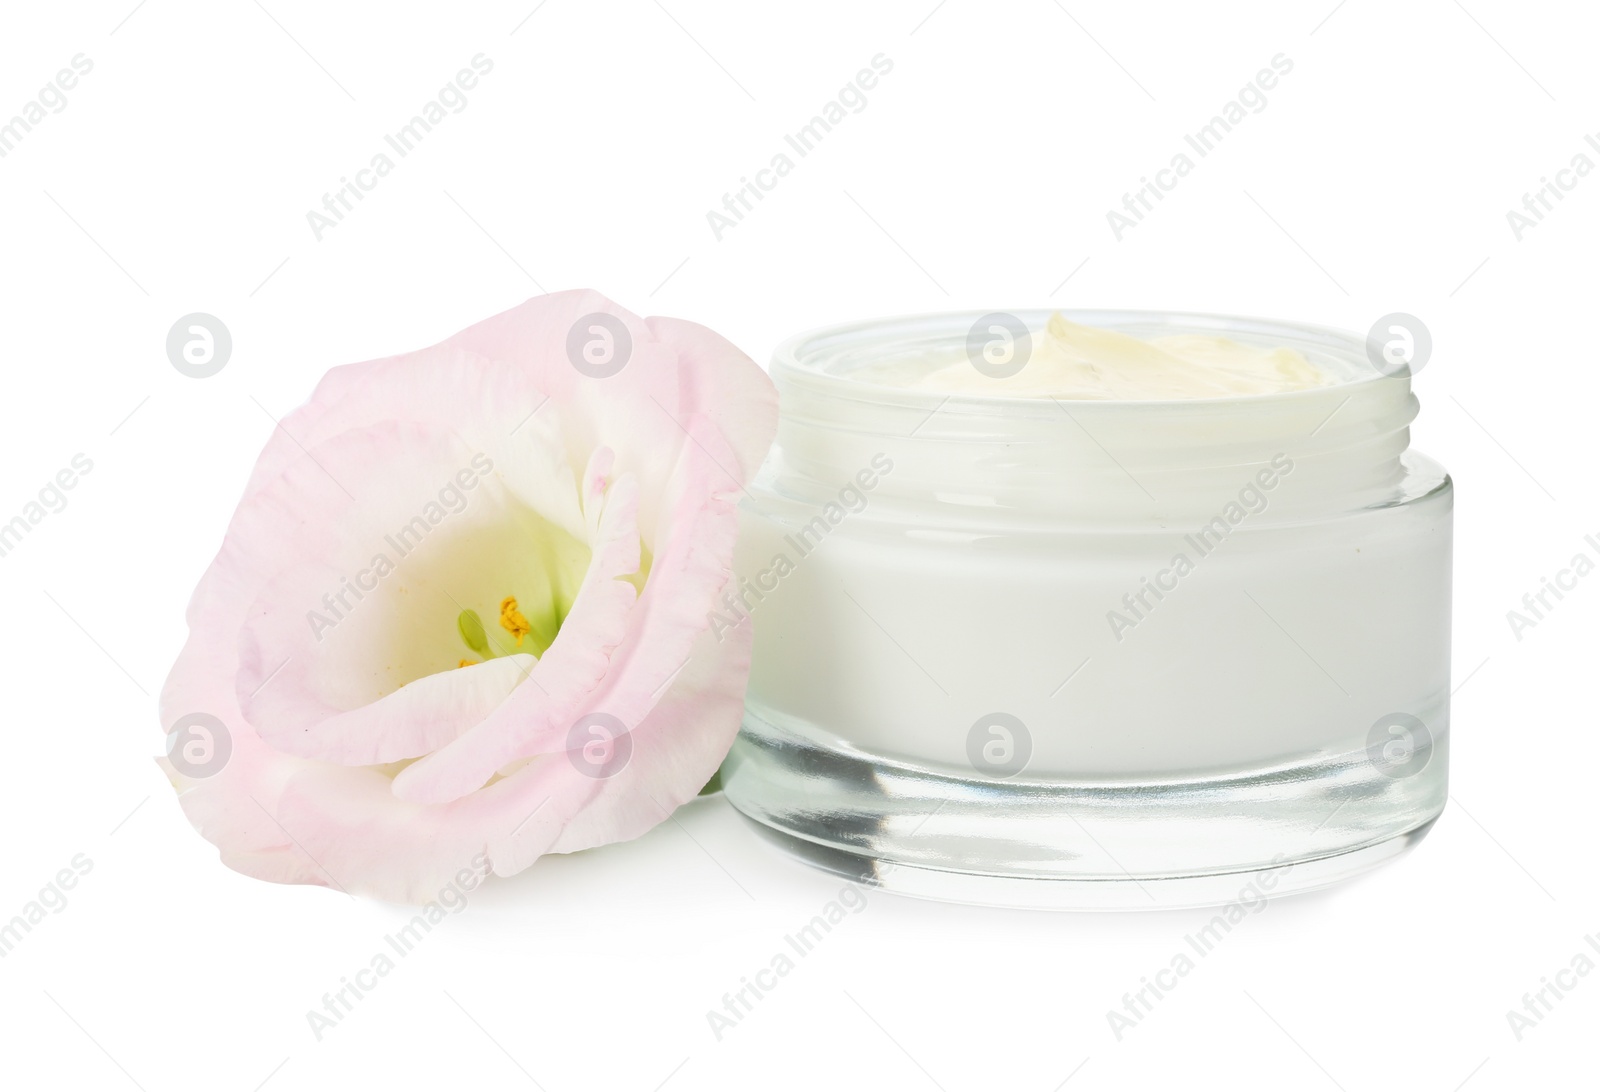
(1066, 360)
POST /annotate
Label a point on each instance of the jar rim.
(827, 360)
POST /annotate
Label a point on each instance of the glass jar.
(1091, 654)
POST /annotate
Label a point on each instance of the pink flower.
(461, 616)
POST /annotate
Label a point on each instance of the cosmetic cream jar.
(1048, 652)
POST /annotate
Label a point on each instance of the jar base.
(1156, 844)
(1052, 893)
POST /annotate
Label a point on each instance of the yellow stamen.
(466, 663)
(511, 619)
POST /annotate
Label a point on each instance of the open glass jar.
(1091, 654)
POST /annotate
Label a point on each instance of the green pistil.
(470, 626)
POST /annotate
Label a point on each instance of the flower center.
(512, 620)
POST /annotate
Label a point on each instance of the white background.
(178, 178)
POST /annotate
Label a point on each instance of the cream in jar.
(1066, 360)
(1111, 609)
